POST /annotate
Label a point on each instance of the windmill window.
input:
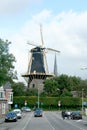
(33, 85)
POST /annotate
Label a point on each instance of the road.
(49, 121)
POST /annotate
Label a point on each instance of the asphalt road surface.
(49, 121)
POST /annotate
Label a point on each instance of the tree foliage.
(6, 63)
(31, 92)
(50, 86)
(18, 89)
(63, 85)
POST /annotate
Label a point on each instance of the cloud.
(43, 16)
(65, 32)
(13, 6)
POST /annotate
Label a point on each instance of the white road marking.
(49, 123)
(27, 122)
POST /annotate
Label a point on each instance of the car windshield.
(76, 112)
(25, 108)
(11, 114)
(17, 112)
(38, 110)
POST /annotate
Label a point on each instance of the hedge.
(46, 102)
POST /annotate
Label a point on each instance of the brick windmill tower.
(37, 68)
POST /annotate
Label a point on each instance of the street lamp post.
(82, 100)
(59, 102)
(83, 90)
(38, 98)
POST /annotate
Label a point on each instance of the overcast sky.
(64, 28)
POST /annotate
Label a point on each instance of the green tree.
(63, 85)
(75, 82)
(66, 93)
(50, 87)
(19, 89)
(64, 82)
(82, 85)
(31, 92)
(6, 63)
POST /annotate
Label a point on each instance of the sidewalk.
(2, 119)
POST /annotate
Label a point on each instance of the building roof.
(7, 86)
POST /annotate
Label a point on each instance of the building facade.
(6, 98)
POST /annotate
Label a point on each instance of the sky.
(64, 27)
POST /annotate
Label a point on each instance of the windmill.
(37, 67)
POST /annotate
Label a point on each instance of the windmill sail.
(55, 67)
(38, 68)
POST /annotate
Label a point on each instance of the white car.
(18, 113)
(26, 109)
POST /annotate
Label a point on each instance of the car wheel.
(15, 120)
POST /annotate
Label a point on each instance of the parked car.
(11, 116)
(76, 115)
(26, 109)
(38, 112)
(66, 114)
(18, 113)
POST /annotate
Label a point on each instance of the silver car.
(18, 113)
(26, 109)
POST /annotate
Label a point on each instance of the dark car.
(76, 115)
(66, 114)
(11, 116)
(38, 112)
